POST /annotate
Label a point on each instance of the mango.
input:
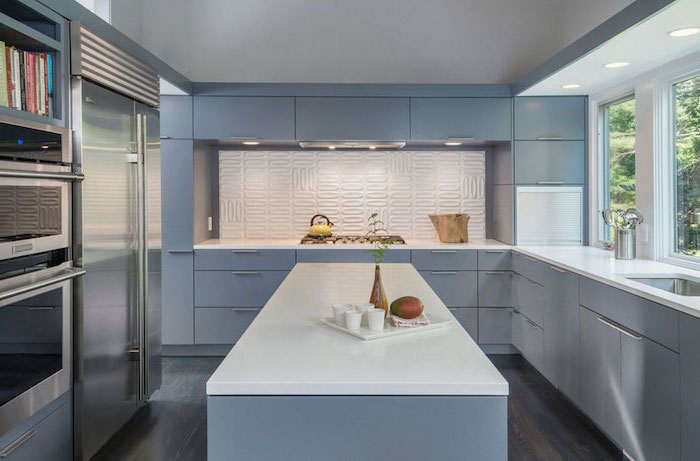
(407, 307)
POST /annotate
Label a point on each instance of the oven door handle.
(66, 274)
(42, 175)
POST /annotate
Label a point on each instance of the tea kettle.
(319, 228)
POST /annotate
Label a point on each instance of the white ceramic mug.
(353, 319)
(375, 318)
(364, 308)
(339, 313)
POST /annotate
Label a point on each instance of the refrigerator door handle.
(141, 140)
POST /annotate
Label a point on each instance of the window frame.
(664, 167)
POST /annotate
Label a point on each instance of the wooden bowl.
(451, 228)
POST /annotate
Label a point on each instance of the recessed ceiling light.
(617, 65)
(251, 143)
(331, 147)
(684, 32)
(453, 143)
(571, 86)
(372, 147)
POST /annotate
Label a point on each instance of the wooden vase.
(378, 296)
(451, 228)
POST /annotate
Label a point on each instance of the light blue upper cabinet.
(488, 119)
(176, 117)
(220, 117)
(550, 162)
(384, 119)
(177, 180)
(550, 118)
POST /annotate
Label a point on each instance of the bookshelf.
(31, 27)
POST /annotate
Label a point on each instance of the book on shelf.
(26, 80)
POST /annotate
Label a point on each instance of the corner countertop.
(293, 244)
(287, 351)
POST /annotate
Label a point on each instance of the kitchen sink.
(676, 285)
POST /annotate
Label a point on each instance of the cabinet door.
(219, 117)
(690, 383)
(495, 325)
(350, 256)
(494, 260)
(236, 288)
(352, 118)
(479, 118)
(176, 117)
(601, 395)
(447, 260)
(177, 183)
(468, 317)
(650, 389)
(454, 288)
(494, 288)
(531, 300)
(550, 162)
(561, 332)
(178, 298)
(50, 439)
(550, 117)
(528, 338)
(221, 325)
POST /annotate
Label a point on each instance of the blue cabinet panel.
(690, 383)
(494, 289)
(454, 288)
(479, 118)
(550, 162)
(468, 317)
(529, 299)
(177, 182)
(494, 260)
(221, 325)
(50, 439)
(350, 256)
(495, 325)
(528, 267)
(528, 338)
(176, 117)
(235, 288)
(550, 118)
(428, 260)
(244, 259)
(178, 298)
(219, 117)
(352, 118)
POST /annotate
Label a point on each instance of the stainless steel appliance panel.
(28, 141)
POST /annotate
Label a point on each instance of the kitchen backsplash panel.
(274, 194)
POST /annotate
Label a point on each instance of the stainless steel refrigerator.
(117, 217)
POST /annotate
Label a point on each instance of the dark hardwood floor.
(542, 424)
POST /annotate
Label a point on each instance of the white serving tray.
(389, 330)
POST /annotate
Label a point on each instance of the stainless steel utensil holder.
(625, 243)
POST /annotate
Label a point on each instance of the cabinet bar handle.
(443, 251)
(495, 272)
(444, 273)
(244, 251)
(495, 251)
(619, 328)
(531, 322)
(529, 258)
(549, 138)
(244, 309)
(554, 268)
(165, 137)
(244, 273)
(452, 309)
(41, 308)
(17, 443)
(180, 251)
(550, 182)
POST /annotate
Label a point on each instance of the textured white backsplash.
(274, 194)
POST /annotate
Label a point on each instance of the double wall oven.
(36, 269)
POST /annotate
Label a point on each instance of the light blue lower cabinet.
(690, 383)
(235, 288)
(494, 260)
(244, 259)
(494, 288)
(430, 260)
(221, 325)
(350, 256)
(51, 438)
(468, 317)
(495, 325)
(454, 288)
(528, 338)
(177, 297)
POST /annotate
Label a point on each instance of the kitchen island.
(294, 389)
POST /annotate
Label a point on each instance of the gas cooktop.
(349, 240)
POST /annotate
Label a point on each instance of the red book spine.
(46, 84)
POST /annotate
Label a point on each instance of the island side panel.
(318, 428)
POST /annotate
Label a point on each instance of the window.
(686, 165)
(617, 158)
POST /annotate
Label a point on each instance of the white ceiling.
(645, 46)
(357, 41)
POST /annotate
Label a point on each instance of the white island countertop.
(287, 351)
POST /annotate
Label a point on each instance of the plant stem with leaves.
(379, 237)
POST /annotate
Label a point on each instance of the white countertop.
(293, 244)
(601, 265)
(286, 351)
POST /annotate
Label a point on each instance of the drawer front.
(532, 300)
(529, 339)
(244, 259)
(495, 325)
(220, 325)
(50, 439)
(468, 317)
(235, 288)
(529, 267)
(494, 289)
(350, 256)
(454, 288)
(494, 260)
(450, 260)
(656, 322)
(550, 117)
(550, 162)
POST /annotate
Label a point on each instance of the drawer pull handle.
(244, 251)
(41, 308)
(531, 322)
(244, 273)
(549, 138)
(531, 259)
(619, 328)
(495, 251)
(17, 443)
(444, 273)
(554, 183)
(495, 272)
(179, 251)
(443, 251)
(244, 309)
(561, 271)
(452, 309)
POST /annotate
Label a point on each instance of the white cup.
(375, 318)
(352, 319)
(339, 313)
(363, 309)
